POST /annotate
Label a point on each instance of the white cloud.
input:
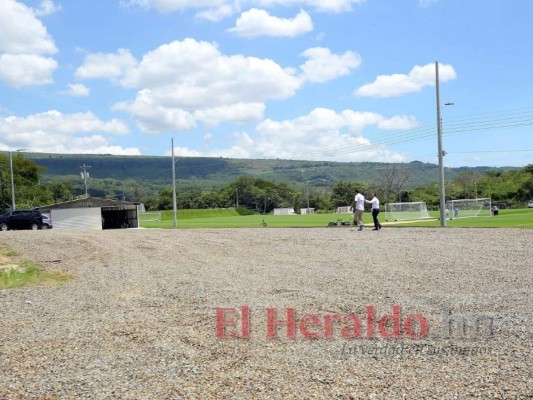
(24, 44)
(336, 6)
(183, 82)
(322, 134)
(400, 84)
(323, 66)
(21, 32)
(55, 132)
(78, 90)
(55, 121)
(240, 113)
(47, 7)
(399, 122)
(106, 65)
(216, 14)
(256, 22)
(19, 70)
(185, 152)
(152, 118)
(167, 6)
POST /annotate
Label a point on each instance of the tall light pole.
(174, 202)
(13, 205)
(442, 194)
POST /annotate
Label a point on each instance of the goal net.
(343, 210)
(406, 211)
(152, 216)
(468, 208)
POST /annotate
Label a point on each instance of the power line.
(465, 125)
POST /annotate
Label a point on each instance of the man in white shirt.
(358, 207)
(375, 211)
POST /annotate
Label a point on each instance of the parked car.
(47, 222)
(3, 221)
(21, 219)
(530, 204)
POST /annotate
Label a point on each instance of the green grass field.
(231, 218)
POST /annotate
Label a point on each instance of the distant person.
(375, 211)
(495, 210)
(358, 207)
(456, 212)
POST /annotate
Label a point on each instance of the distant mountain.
(154, 173)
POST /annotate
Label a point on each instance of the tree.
(165, 201)
(343, 192)
(5, 186)
(467, 181)
(390, 181)
(60, 191)
(26, 177)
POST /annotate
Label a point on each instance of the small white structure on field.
(344, 210)
(284, 211)
(406, 211)
(469, 208)
(307, 211)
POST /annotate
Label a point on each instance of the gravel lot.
(139, 320)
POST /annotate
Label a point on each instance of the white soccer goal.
(151, 216)
(406, 211)
(468, 208)
(343, 210)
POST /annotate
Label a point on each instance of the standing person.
(375, 211)
(358, 207)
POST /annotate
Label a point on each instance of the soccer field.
(521, 218)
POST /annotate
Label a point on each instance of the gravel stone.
(139, 319)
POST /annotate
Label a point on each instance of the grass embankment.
(231, 218)
(15, 274)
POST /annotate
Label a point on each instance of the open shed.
(93, 213)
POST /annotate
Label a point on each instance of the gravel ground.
(139, 319)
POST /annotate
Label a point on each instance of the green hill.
(151, 173)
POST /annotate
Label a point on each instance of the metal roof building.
(93, 213)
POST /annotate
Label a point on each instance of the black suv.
(21, 219)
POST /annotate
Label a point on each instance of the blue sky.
(339, 80)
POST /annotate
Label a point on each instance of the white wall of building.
(77, 218)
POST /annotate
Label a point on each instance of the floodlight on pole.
(174, 202)
(13, 205)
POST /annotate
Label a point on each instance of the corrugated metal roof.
(88, 202)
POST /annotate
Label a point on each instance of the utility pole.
(237, 196)
(442, 194)
(174, 203)
(84, 175)
(13, 207)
